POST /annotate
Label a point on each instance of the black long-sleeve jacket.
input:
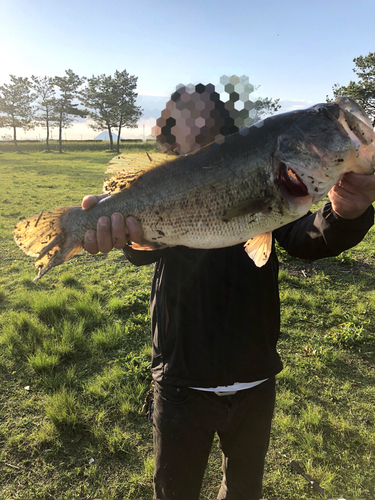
(216, 316)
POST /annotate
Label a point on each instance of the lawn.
(75, 358)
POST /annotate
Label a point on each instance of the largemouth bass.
(241, 190)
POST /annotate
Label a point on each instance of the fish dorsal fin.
(120, 181)
(128, 167)
(131, 162)
(251, 206)
(259, 248)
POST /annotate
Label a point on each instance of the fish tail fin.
(45, 236)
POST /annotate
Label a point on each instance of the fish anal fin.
(259, 248)
(251, 206)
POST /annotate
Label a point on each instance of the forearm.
(323, 233)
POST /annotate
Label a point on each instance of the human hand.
(351, 197)
(110, 233)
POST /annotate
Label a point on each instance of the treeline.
(56, 102)
(363, 90)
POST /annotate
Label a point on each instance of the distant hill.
(104, 136)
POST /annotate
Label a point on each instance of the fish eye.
(323, 110)
(319, 109)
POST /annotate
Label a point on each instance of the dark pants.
(185, 421)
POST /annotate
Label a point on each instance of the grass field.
(70, 146)
(75, 357)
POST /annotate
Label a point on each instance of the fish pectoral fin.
(251, 206)
(259, 248)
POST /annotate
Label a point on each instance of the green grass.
(75, 361)
(69, 146)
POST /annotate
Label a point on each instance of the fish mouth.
(349, 105)
(293, 189)
(290, 183)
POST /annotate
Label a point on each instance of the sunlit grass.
(41, 362)
(75, 352)
(109, 337)
(64, 409)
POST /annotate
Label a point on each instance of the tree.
(66, 110)
(111, 103)
(97, 97)
(126, 112)
(16, 110)
(362, 91)
(44, 88)
(266, 106)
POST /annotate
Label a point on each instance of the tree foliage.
(66, 110)
(97, 97)
(126, 112)
(111, 102)
(16, 110)
(266, 106)
(44, 88)
(362, 91)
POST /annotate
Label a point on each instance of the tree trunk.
(47, 136)
(60, 133)
(15, 138)
(118, 139)
(110, 138)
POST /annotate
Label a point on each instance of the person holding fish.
(215, 321)
(215, 312)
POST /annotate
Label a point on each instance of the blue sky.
(295, 50)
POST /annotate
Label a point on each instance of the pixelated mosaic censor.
(197, 115)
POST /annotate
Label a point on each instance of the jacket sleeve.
(323, 233)
(142, 257)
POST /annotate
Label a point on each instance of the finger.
(119, 234)
(360, 181)
(348, 204)
(88, 201)
(341, 195)
(360, 188)
(345, 188)
(135, 230)
(91, 200)
(103, 235)
(90, 243)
